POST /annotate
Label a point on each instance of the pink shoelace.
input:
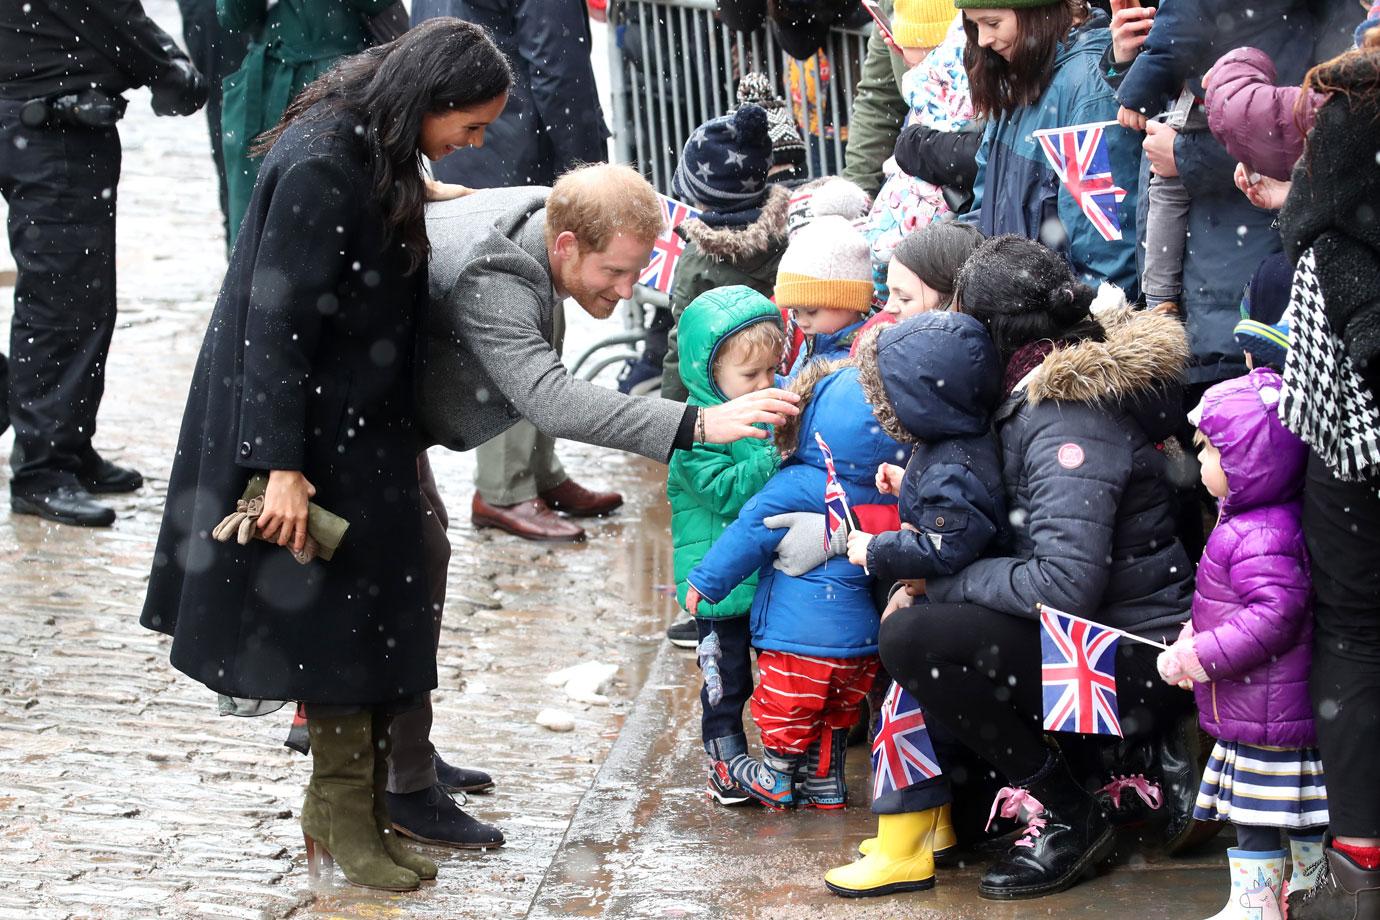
(1149, 792)
(1010, 802)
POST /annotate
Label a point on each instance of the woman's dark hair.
(442, 64)
(999, 88)
(937, 252)
(1023, 293)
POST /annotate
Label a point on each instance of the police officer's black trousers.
(60, 184)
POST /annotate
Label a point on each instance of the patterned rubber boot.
(770, 780)
(824, 784)
(1306, 859)
(1256, 879)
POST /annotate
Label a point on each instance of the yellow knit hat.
(921, 23)
(827, 265)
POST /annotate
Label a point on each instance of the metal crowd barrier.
(673, 66)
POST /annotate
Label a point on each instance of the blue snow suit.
(828, 611)
(826, 346)
(1018, 192)
(935, 380)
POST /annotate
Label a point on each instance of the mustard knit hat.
(921, 23)
(827, 265)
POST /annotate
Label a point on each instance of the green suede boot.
(338, 815)
(397, 850)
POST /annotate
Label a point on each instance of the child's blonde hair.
(760, 338)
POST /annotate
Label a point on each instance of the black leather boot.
(461, 779)
(1181, 753)
(1067, 835)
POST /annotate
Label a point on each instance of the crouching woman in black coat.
(1092, 534)
(306, 372)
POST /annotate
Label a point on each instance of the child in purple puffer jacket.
(1246, 651)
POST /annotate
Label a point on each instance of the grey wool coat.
(486, 353)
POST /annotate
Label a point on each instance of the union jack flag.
(902, 753)
(1079, 156)
(667, 248)
(836, 514)
(1078, 674)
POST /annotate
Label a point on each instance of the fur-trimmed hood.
(734, 244)
(1138, 365)
(930, 378)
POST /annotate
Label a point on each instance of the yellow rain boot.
(901, 860)
(945, 840)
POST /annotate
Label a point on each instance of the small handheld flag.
(1078, 155)
(837, 516)
(902, 753)
(1078, 674)
(667, 248)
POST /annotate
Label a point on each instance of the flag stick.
(1121, 632)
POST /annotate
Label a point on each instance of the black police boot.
(431, 816)
(66, 503)
(101, 477)
(460, 779)
(1067, 835)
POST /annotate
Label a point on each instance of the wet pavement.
(124, 795)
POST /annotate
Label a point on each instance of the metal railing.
(672, 67)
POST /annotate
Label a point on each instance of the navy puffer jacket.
(935, 380)
(1091, 507)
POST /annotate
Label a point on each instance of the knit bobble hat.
(787, 146)
(827, 265)
(921, 23)
(725, 162)
(1003, 4)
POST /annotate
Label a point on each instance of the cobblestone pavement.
(122, 793)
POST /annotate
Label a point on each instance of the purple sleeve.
(1254, 119)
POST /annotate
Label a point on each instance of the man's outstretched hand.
(736, 419)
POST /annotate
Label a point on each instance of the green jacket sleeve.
(723, 481)
(878, 114)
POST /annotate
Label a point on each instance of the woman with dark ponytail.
(306, 375)
(1092, 533)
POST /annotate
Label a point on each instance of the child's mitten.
(709, 654)
(1179, 663)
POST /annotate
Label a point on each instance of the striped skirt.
(1263, 786)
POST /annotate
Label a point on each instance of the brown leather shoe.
(577, 501)
(531, 520)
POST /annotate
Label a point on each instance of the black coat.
(1086, 486)
(307, 365)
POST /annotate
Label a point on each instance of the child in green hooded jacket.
(731, 341)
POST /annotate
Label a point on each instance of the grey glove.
(802, 548)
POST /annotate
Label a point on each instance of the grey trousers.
(411, 764)
(520, 463)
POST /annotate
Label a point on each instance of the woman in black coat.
(1092, 534)
(306, 373)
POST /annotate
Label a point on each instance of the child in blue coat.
(816, 633)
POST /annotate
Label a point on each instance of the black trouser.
(1341, 522)
(60, 184)
(217, 53)
(977, 673)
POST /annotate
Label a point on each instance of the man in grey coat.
(503, 261)
(552, 122)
